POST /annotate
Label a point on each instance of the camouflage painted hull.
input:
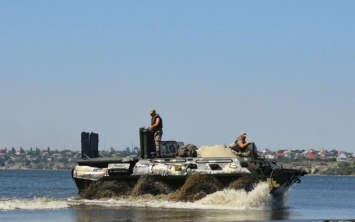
(175, 171)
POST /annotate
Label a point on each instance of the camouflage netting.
(214, 151)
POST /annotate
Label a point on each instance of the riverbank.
(323, 168)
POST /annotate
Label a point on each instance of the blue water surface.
(316, 198)
(36, 183)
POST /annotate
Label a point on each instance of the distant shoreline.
(315, 168)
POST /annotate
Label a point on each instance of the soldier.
(157, 128)
(240, 145)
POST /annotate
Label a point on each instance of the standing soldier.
(157, 128)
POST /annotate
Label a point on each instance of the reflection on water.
(96, 213)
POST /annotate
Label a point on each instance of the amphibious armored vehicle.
(174, 170)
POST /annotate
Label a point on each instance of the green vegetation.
(47, 159)
(346, 168)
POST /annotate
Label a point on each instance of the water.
(32, 195)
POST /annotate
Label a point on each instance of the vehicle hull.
(174, 172)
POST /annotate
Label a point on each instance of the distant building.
(3, 155)
(310, 156)
(271, 156)
(281, 155)
(323, 154)
(333, 152)
(342, 157)
(288, 154)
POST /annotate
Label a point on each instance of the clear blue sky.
(283, 71)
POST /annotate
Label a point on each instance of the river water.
(35, 195)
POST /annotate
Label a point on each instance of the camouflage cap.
(151, 111)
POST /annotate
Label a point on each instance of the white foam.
(32, 204)
(239, 199)
(259, 198)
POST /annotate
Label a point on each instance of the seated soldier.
(244, 148)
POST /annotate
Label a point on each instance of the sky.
(282, 71)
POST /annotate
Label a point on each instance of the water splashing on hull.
(196, 187)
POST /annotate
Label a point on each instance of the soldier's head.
(243, 134)
(152, 112)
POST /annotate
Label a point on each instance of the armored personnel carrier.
(173, 170)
